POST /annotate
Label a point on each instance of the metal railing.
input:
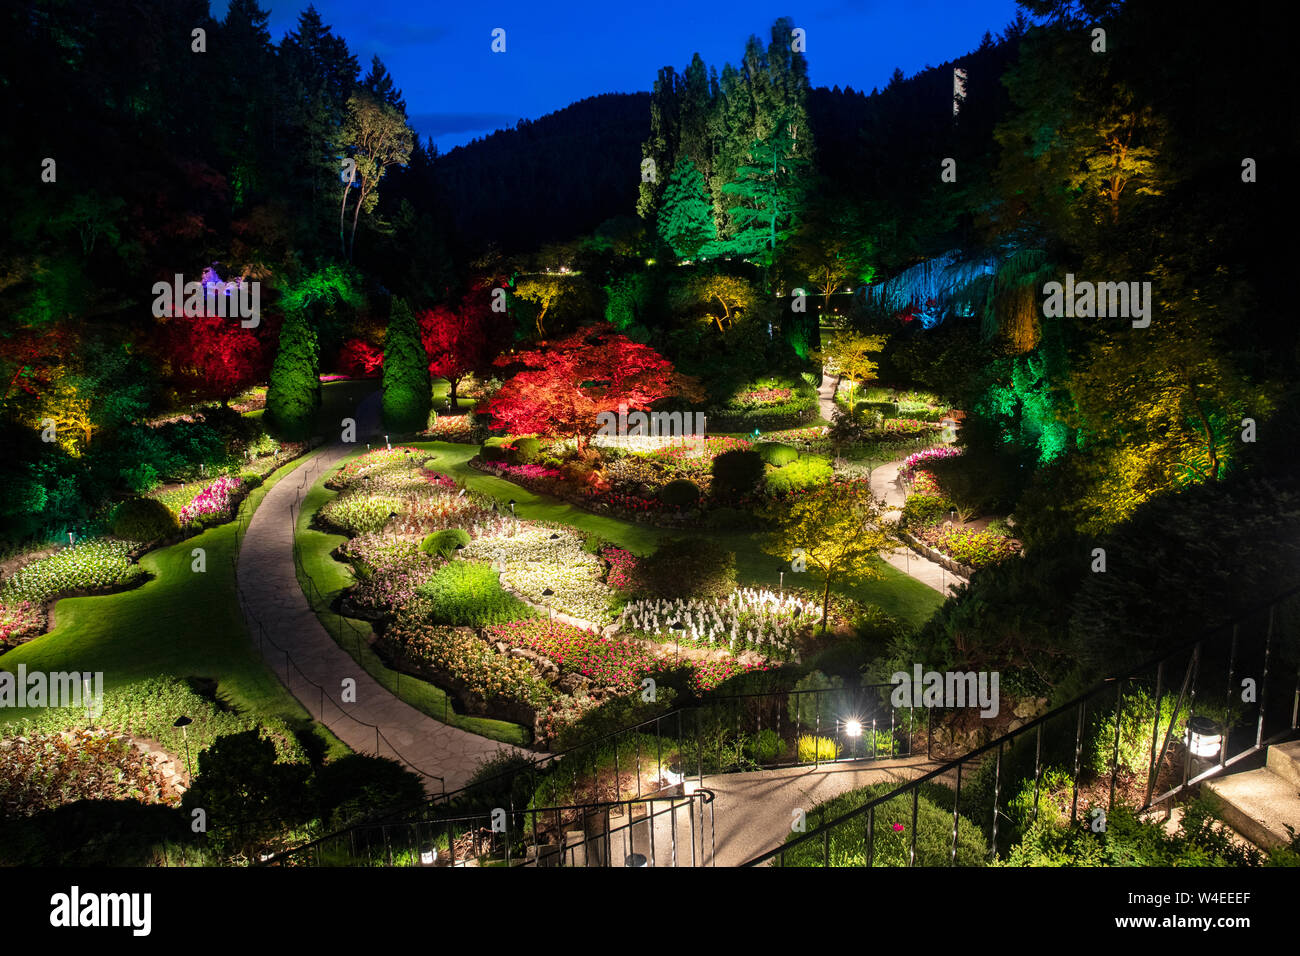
(670, 828)
(1256, 702)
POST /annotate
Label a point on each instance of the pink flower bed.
(449, 428)
(709, 674)
(911, 462)
(607, 661)
(622, 565)
(214, 500)
(20, 619)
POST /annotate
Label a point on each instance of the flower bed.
(912, 462)
(762, 397)
(709, 674)
(47, 770)
(748, 618)
(211, 504)
(608, 662)
(622, 567)
(975, 549)
(453, 428)
(535, 562)
(93, 564)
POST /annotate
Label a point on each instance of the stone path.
(272, 597)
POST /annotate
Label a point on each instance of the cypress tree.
(686, 213)
(407, 389)
(293, 395)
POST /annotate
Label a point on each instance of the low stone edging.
(935, 555)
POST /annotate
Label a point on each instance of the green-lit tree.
(293, 395)
(770, 190)
(685, 213)
(407, 391)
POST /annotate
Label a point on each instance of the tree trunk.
(826, 600)
(343, 209)
(352, 247)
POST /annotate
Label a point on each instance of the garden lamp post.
(511, 502)
(388, 443)
(780, 570)
(550, 611)
(1204, 737)
(71, 538)
(460, 547)
(677, 628)
(183, 722)
(391, 516)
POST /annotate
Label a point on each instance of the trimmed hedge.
(444, 542)
(524, 452)
(736, 473)
(680, 493)
(144, 519)
(776, 454)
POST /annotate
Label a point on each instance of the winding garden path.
(885, 485)
(272, 598)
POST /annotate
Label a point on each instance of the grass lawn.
(894, 592)
(180, 624)
(331, 578)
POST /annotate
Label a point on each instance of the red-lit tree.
(217, 357)
(360, 359)
(569, 382)
(463, 338)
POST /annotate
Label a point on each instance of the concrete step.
(1284, 760)
(1257, 804)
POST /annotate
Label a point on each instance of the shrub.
(816, 711)
(444, 542)
(407, 393)
(767, 746)
(471, 595)
(728, 519)
(1136, 719)
(250, 479)
(891, 840)
(807, 472)
(815, 749)
(143, 519)
(359, 784)
(776, 454)
(680, 493)
(525, 451)
(736, 473)
(428, 463)
(690, 567)
(293, 395)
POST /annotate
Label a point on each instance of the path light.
(673, 775)
(780, 569)
(952, 514)
(1205, 737)
(677, 627)
(71, 538)
(853, 728)
(511, 502)
(636, 859)
(555, 537)
(428, 856)
(547, 592)
(388, 443)
(183, 722)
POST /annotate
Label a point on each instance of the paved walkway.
(273, 597)
(885, 485)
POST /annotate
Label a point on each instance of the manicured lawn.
(331, 578)
(181, 623)
(895, 593)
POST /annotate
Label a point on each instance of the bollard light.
(428, 856)
(1204, 737)
(853, 728)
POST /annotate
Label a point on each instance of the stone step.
(1257, 804)
(1284, 760)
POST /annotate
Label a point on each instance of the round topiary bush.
(494, 448)
(680, 493)
(524, 452)
(736, 473)
(144, 519)
(444, 542)
(776, 454)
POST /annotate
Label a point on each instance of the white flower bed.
(534, 562)
(749, 618)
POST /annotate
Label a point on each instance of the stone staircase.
(1260, 803)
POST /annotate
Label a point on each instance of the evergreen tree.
(770, 188)
(293, 396)
(407, 391)
(379, 83)
(686, 213)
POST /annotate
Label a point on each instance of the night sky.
(457, 89)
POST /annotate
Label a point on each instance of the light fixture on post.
(511, 503)
(183, 722)
(460, 547)
(71, 538)
(547, 592)
(677, 627)
(388, 443)
(1204, 737)
(780, 570)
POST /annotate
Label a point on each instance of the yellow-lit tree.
(834, 529)
(545, 290)
(724, 298)
(850, 354)
(65, 406)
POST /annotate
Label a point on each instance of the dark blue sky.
(457, 89)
